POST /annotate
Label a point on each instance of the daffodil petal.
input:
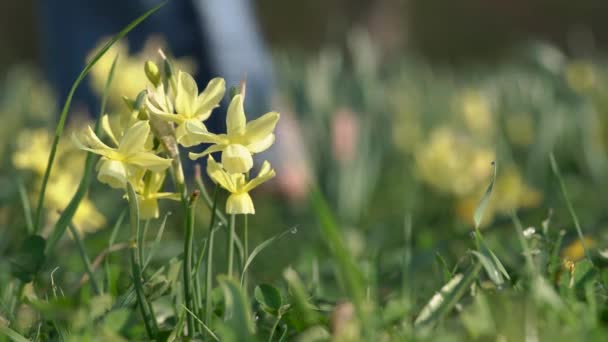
(148, 208)
(237, 159)
(106, 151)
(266, 173)
(168, 117)
(218, 175)
(107, 128)
(261, 127)
(149, 160)
(261, 145)
(200, 130)
(135, 137)
(235, 119)
(210, 149)
(166, 195)
(113, 173)
(240, 204)
(187, 92)
(185, 137)
(210, 98)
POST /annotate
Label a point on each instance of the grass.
(422, 239)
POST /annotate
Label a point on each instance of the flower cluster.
(173, 100)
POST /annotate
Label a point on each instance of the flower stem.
(85, 258)
(231, 245)
(246, 246)
(209, 268)
(144, 305)
(190, 303)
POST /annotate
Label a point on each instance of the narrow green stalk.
(231, 245)
(85, 259)
(407, 258)
(144, 305)
(524, 244)
(246, 247)
(209, 268)
(564, 191)
(25, 202)
(141, 238)
(113, 235)
(187, 269)
(68, 102)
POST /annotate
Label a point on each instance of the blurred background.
(396, 109)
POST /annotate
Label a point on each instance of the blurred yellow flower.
(239, 201)
(242, 138)
(477, 113)
(575, 251)
(191, 108)
(129, 75)
(580, 76)
(32, 150)
(452, 163)
(510, 192)
(60, 189)
(121, 164)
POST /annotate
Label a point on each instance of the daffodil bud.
(113, 173)
(240, 204)
(152, 72)
(236, 158)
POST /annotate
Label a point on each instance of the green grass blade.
(259, 248)
(238, 315)
(67, 215)
(349, 271)
(85, 259)
(564, 191)
(25, 203)
(209, 331)
(12, 334)
(157, 239)
(68, 102)
(444, 300)
(481, 208)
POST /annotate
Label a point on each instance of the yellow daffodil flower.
(190, 107)
(242, 139)
(120, 164)
(239, 201)
(148, 194)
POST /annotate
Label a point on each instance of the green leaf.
(269, 298)
(352, 275)
(490, 268)
(444, 300)
(302, 308)
(237, 316)
(12, 334)
(259, 249)
(29, 258)
(115, 320)
(481, 207)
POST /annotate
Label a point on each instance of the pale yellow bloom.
(239, 201)
(123, 163)
(148, 194)
(190, 107)
(242, 138)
